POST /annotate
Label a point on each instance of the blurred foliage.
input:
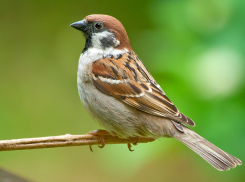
(194, 49)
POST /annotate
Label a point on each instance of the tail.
(208, 151)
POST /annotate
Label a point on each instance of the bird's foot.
(100, 134)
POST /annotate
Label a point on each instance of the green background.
(195, 49)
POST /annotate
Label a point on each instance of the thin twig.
(65, 141)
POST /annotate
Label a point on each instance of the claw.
(129, 147)
(102, 140)
(90, 147)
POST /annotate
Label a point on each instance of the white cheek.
(96, 40)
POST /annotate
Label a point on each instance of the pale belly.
(113, 115)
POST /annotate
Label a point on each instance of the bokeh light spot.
(219, 72)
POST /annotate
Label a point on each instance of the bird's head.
(102, 32)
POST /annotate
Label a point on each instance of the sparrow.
(121, 94)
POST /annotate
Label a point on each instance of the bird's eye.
(98, 25)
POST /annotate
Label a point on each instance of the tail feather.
(212, 154)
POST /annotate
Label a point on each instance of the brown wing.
(126, 78)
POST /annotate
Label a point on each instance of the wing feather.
(127, 79)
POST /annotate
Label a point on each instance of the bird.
(122, 96)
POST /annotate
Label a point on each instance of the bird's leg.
(136, 142)
(100, 134)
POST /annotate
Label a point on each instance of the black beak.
(79, 25)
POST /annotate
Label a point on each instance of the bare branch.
(65, 141)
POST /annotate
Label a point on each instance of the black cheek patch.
(107, 42)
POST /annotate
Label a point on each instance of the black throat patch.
(88, 44)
